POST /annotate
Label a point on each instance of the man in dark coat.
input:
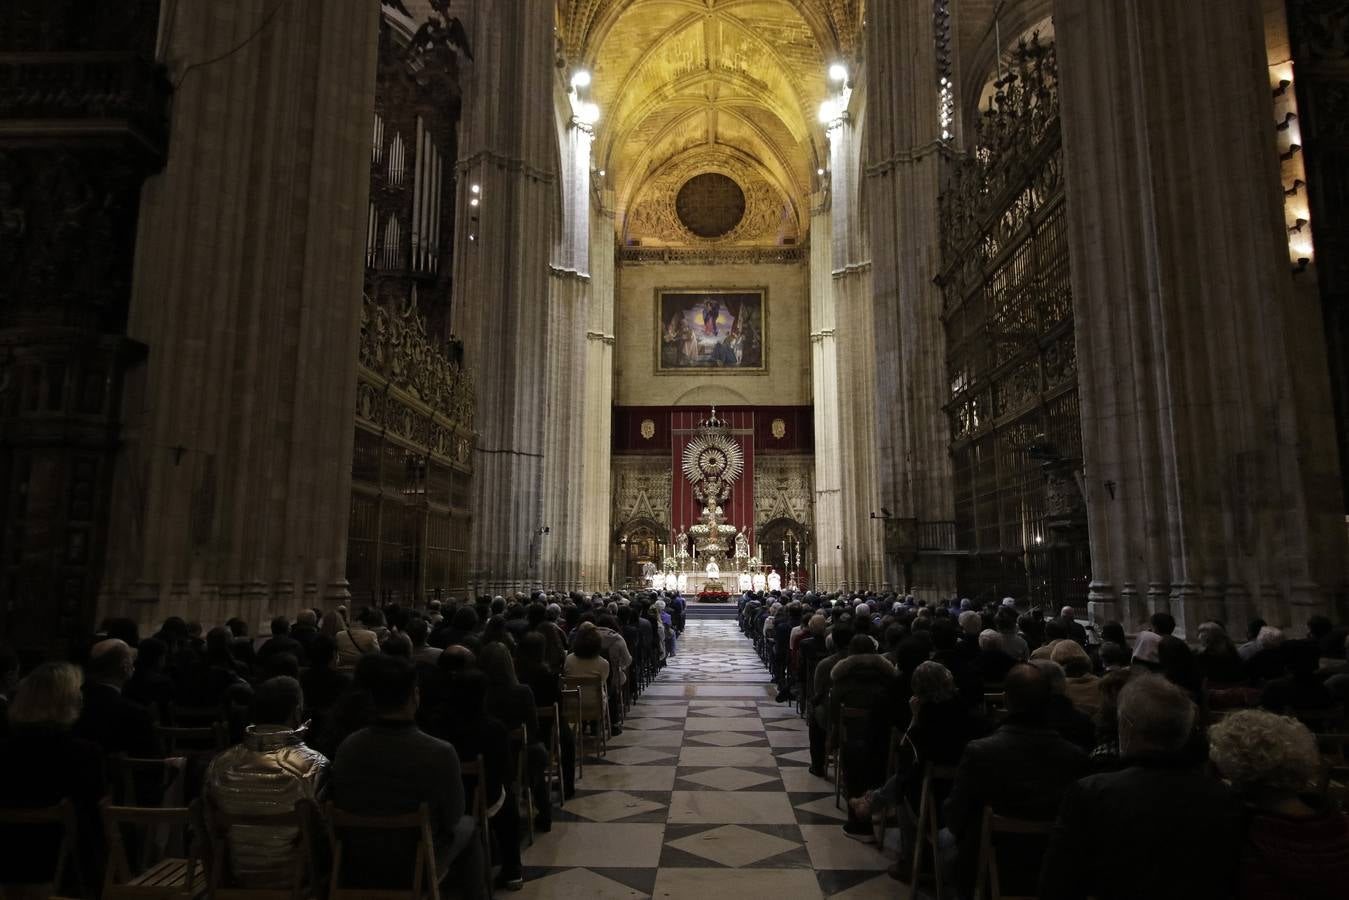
(1021, 771)
(863, 680)
(107, 718)
(1161, 828)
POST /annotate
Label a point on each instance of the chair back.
(592, 693)
(155, 879)
(133, 781)
(928, 821)
(179, 740)
(475, 770)
(198, 716)
(60, 816)
(994, 824)
(218, 827)
(425, 879)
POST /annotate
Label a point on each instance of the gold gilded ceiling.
(687, 87)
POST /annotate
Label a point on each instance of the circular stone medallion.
(710, 205)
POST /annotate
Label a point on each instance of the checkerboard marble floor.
(706, 795)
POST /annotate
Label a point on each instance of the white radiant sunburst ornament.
(713, 457)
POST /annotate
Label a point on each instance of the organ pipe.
(418, 165)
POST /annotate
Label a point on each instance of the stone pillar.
(597, 422)
(824, 382)
(903, 179)
(1212, 476)
(860, 538)
(83, 122)
(508, 148)
(233, 489)
(569, 296)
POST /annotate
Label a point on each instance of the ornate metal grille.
(1011, 357)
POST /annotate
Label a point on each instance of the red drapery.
(739, 509)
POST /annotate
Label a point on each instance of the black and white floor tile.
(705, 795)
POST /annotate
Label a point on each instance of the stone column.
(824, 382)
(569, 296)
(233, 491)
(903, 179)
(597, 423)
(859, 543)
(508, 148)
(1208, 439)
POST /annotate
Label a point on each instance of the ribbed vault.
(687, 87)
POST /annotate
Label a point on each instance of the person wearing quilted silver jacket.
(267, 774)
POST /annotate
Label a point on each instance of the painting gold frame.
(760, 295)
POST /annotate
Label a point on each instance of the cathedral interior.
(307, 304)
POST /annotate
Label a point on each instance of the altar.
(712, 556)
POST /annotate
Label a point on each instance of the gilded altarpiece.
(1011, 359)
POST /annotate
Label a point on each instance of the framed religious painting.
(715, 331)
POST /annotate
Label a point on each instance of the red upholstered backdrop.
(739, 509)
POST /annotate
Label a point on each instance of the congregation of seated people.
(1012, 751)
(293, 756)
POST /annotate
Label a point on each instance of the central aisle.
(706, 795)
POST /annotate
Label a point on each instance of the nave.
(705, 794)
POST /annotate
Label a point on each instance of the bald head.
(456, 658)
(110, 662)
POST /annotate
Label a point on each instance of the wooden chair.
(846, 714)
(194, 716)
(170, 877)
(550, 724)
(133, 781)
(929, 822)
(571, 709)
(180, 740)
(586, 687)
(988, 856)
(62, 816)
(304, 864)
(519, 742)
(425, 879)
(474, 769)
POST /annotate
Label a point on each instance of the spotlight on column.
(477, 189)
(588, 113)
(838, 73)
(580, 79)
(829, 112)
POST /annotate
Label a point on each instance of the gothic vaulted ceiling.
(692, 87)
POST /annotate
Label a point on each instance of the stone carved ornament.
(395, 346)
(641, 490)
(1021, 114)
(784, 488)
(769, 218)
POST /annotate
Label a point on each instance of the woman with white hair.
(41, 764)
(1292, 851)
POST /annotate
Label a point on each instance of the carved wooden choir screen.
(1011, 358)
